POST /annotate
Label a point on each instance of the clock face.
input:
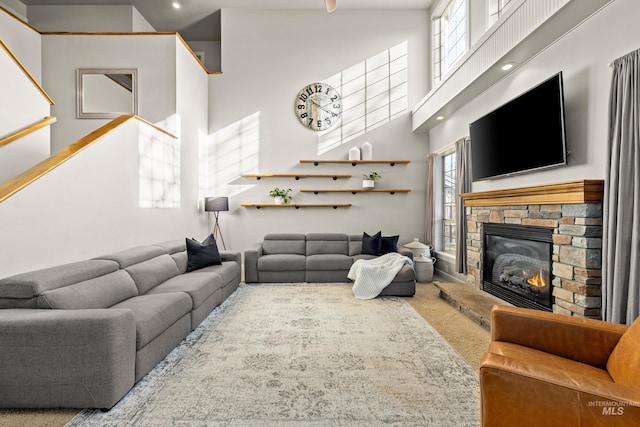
(318, 106)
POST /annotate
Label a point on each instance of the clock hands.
(322, 107)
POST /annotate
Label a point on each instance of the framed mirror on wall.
(106, 93)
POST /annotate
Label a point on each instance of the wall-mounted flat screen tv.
(523, 135)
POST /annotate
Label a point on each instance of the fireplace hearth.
(517, 264)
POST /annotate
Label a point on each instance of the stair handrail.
(16, 184)
(48, 120)
(26, 72)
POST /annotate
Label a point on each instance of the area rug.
(304, 355)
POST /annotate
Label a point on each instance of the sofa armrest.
(66, 358)
(229, 255)
(251, 255)
(584, 340)
(406, 252)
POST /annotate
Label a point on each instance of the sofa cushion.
(173, 246)
(133, 256)
(355, 244)
(327, 243)
(371, 245)
(281, 262)
(198, 286)
(329, 262)
(155, 313)
(100, 292)
(229, 271)
(32, 284)
(151, 273)
(406, 274)
(284, 243)
(200, 255)
(389, 244)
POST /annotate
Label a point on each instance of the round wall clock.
(318, 106)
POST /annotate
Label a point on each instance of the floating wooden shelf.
(297, 175)
(355, 162)
(359, 190)
(296, 205)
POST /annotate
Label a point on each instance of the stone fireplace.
(570, 214)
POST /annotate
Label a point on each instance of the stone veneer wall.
(577, 250)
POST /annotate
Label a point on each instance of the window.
(449, 203)
(449, 36)
(497, 8)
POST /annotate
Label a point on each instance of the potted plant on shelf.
(370, 179)
(280, 196)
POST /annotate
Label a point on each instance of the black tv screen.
(525, 134)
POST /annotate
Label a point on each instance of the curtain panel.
(463, 185)
(621, 210)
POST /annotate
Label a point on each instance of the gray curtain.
(621, 210)
(430, 223)
(463, 185)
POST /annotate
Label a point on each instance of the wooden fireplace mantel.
(572, 192)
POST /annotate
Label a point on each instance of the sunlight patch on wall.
(159, 174)
(227, 154)
(374, 92)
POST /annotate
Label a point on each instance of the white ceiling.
(199, 19)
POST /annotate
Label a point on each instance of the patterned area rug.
(304, 355)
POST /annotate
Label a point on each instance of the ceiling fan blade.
(331, 5)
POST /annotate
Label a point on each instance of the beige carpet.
(468, 338)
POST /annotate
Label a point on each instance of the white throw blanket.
(371, 276)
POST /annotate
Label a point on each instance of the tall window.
(497, 8)
(449, 203)
(449, 36)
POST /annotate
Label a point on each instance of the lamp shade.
(214, 204)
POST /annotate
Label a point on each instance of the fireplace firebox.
(517, 264)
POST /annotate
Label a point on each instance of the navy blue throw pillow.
(371, 245)
(200, 255)
(389, 244)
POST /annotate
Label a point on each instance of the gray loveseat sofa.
(316, 257)
(81, 335)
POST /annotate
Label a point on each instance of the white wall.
(153, 55)
(582, 55)
(24, 42)
(192, 116)
(267, 57)
(211, 51)
(139, 23)
(86, 207)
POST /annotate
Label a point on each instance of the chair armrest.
(228, 255)
(66, 358)
(550, 395)
(251, 255)
(584, 340)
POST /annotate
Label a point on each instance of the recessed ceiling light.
(507, 66)
(175, 5)
(440, 118)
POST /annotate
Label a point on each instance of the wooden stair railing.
(16, 184)
(26, 73)
(26, 131)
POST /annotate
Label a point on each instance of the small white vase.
(367, 151)
(354, 153)
(368, 183)
(279, 200)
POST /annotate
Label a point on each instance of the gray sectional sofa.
(316, 257)
(81, 335)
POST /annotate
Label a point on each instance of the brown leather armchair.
(545, 369)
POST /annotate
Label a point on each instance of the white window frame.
(440, 60)
(441, 205)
